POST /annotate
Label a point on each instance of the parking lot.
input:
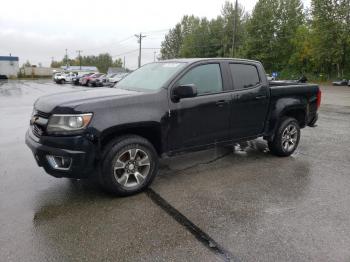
(240, 204)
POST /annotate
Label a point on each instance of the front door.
(204, 119)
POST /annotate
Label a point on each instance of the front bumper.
(79, 149)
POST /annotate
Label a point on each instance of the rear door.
(204, 119)
(249, 100)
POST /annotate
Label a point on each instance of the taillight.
(319, 95)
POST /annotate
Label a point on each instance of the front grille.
(37, 130)
(42, 114)
(39, 124)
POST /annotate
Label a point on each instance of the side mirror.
(184, 91)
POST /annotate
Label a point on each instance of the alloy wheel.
(131, 167)
(289, 138)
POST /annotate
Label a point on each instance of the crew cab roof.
(194, 60)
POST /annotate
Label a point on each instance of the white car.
(113, 79)
(270, 78)
(62, 78)
(56, 75)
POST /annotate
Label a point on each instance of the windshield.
(151, 76)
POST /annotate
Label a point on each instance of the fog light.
(59, 162)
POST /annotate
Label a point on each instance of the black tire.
(63, 81)
(108, 176)
(282, 145)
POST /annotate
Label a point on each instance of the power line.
(112, 43)
(127, 52)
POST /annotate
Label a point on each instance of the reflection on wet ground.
(8, 89)
(255, 206)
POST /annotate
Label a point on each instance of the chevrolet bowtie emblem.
(33, 119)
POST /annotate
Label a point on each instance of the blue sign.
(274, 74)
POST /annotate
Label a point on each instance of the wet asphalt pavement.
(214, 205)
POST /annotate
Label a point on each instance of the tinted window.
(207, 78)
(244, 76)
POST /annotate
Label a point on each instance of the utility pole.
(52, 60)
(139, 40)
(154, 56)
(124, 63)
(79, 51)
(234, 28)
(66, 58)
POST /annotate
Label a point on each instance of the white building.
(9, 66)
(37, 71)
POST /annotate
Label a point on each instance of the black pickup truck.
(162, 109)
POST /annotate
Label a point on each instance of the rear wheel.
(129, 165)
(286, 138)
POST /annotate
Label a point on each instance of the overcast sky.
(37, 30)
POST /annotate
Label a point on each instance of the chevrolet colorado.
(162, 109)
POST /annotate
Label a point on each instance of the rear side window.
(244, 76)
(207, 78)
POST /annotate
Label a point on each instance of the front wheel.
(286, 138)
(129, 165)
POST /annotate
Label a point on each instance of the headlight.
(67, 123)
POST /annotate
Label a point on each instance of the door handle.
(221, 102)
(260, 97)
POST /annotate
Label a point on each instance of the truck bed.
(287, 88)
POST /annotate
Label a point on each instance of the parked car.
(343, 82)
(270, 78)
(116, 78)
(56, 75)
(62, 78)
(76, 79)
(84, 81)
(98, 81)
(3, 77)
(164, 109)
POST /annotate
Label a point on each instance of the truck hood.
(72, 99)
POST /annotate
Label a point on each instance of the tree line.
(282, 34)
(101, 61)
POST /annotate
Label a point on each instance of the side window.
(207, 78)
(244, 76)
